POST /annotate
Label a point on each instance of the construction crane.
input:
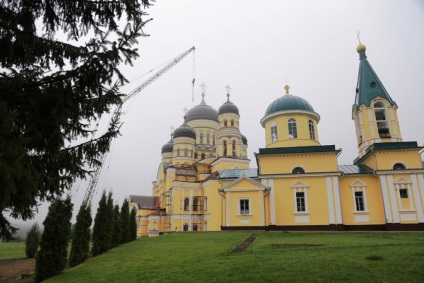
(88, 197)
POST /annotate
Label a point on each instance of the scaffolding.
(197, 213)
(167, 218)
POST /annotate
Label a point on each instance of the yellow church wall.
(279, 164)
(229, 163)
(283, 140)
(386, 160)
(213, 215)
(256, 212)
(317, 212)
(374, 209)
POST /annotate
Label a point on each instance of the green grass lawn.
(12, 250)
(273, 257)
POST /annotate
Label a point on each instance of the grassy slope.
(12, 250)
(294, 257)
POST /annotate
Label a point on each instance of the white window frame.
(300, 187)
(359, 201)
(311, 129)
(359, 186)
(249, 203)
(274, 132)
(292, 127)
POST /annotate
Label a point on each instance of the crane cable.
(193, 75)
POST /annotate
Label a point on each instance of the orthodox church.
(204, 181)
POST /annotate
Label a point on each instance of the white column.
(272, 201)
(338, 203)
(261, 208)
(386, 203)
(227, 209)
(418, 202)
(330, 200)
(393, 199)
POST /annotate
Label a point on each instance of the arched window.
(292, 128)
(232, 123)
(213, 139)
(185, 227)
(195, 227)
(225, 148)
(201, 138)
(274, 134)
(185, 152)
(399, 166)
(380, 117)
(225, 123)
(298, 170)
(186, 204)
(178, 152)
(196, 204)
(208, 138)
(234, 148)
(202, 156)
(195, 155)
(311, 130)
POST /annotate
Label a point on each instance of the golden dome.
(361, 47)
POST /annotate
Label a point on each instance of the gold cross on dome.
(185, 110)
(203, 87)
(172, 129)
(359, 36)
(228, 88)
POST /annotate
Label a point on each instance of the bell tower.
(374, 111)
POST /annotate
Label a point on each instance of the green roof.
(355, 169)
(393, 145)
(369, 85)
(288, 102)
(297, 149)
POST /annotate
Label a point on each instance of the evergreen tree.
(51, 90)
(53, 253)
(81, 239)
(103, 225)
(32, 241)
(133, 225)
(116, 231)
(125, 222)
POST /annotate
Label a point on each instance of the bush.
(32, 241)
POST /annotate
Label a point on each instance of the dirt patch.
(293, 246)
(243, 247)
(11, 270)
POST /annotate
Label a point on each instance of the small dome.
(288, 102)
(361, 47)
(184, 131)
(244, 139)
(168, 147)
(202, 112)
(228, 107)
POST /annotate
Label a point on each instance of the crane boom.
(88, 197)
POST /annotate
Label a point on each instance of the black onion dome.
(184, 131)
(244, 139)
(202, 112)
(168, 147)
(228, 107)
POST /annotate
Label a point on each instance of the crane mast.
(88, 197)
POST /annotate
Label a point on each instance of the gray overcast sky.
(255, 47)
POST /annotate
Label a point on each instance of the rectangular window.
(274, 134)
(244, 207)
(359, 201)
(403, 193)
(300, 201)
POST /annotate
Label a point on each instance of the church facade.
(205, 183)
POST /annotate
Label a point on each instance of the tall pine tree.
(53, 254)
(103, 225)
(116, 231)
(52, 89)
(133, 225)
(81, 240)
(125, 222)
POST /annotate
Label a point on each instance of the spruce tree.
(53, 253)
(81, 240)
(32, 241)
(116, 231)
(103, 225)
(53, 88)
(125, 222)
(133, 225)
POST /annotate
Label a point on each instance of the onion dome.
(184, 131)
(228, 107)
(288, 102)
(244, 139)
(168, 147)
(202, 112)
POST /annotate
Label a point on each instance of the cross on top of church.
(185, 110)
(203, 87)
(228, 88)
